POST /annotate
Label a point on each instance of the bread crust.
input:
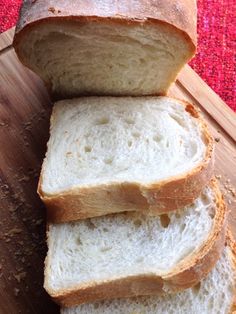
(176, 16)
(154, 199)
(232, 244)
(187, 273)
(180, 15)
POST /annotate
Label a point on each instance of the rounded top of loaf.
(179, 14)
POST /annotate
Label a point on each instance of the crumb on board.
(16, 292)
(20, 276)
(38, 222)
(4, 124)
(227, 189)
(52, 9)
(230, 189)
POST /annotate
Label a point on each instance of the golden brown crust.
(175, 16)
(200, 264)
(188, 273)
(118, 288)
(154, 199)
(181, 15)
(232, 244)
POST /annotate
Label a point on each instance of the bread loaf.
(106, 47)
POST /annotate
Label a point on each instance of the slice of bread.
(214, 295)
(109, 154)
(106, 47)
(131, 254)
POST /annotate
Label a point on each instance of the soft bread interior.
(98, 58)
(213, 295)
(104, 140)
(121, 245)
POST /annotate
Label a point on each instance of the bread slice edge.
(155, 199)
(187, 273)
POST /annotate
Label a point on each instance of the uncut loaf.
(131, 254)
(114, 154)
(107, 47)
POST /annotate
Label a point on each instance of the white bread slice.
(112, 154)
(106, 47)
(214, 295)
(131, 254)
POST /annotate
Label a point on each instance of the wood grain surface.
(6, 39)
(24, 125)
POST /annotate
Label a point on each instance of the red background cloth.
(215, 60)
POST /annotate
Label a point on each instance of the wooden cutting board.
(24, 123)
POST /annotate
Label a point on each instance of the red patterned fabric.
(215, 60)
